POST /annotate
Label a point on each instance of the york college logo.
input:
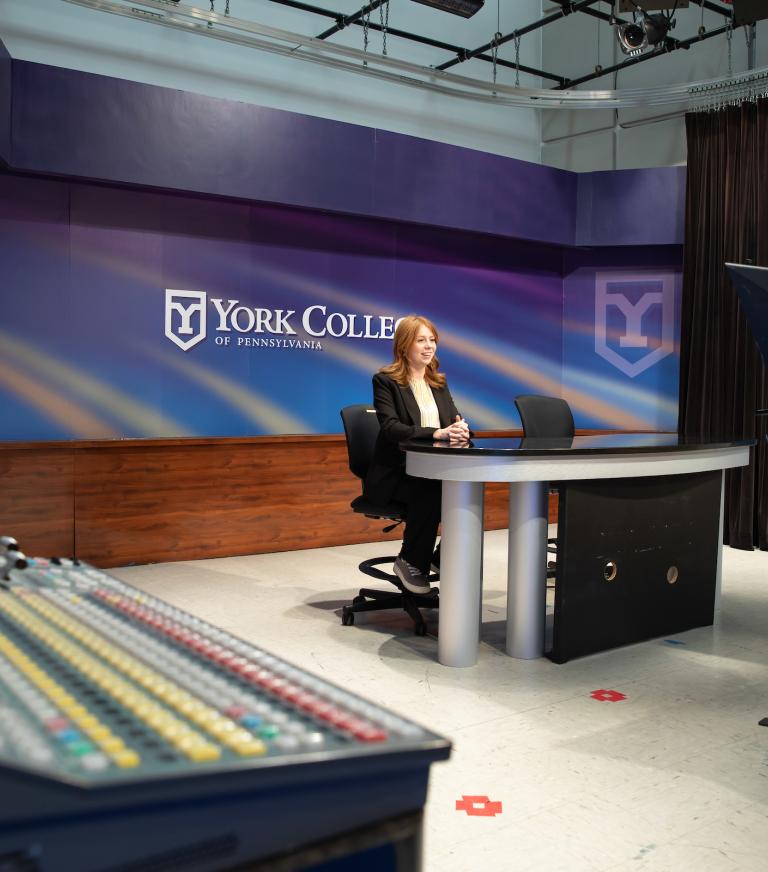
(634, 319)
(185, 317)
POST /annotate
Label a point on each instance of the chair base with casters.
(361, 429)
(373, 600)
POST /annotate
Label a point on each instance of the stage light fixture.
(637, 36)
(465, 8)
(749, 11)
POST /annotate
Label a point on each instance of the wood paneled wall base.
(119, 502)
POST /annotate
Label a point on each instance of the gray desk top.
(597, 445)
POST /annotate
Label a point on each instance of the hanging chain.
(384, 20)
(495, 51)
(366, 22)
(495, 40)
(213, 9)
(729, 37)
(517, 61)
(226, 8)
(749, 36)
(598, 65)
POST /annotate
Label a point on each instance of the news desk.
(630, 503)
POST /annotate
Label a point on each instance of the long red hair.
(405, 335)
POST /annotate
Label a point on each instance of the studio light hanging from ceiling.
(225, 27)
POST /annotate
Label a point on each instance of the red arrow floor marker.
(478, 806)
(607, 695)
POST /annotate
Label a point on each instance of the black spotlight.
(748, 11)
(465, 8)
(636, 37)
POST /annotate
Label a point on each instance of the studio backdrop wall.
(137, 314)
(175, 305)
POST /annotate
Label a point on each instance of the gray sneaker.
(412, 579)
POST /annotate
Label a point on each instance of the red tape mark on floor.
(478, 806)
(607, 695)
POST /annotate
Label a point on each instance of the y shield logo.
(634, 319)
(185, 317)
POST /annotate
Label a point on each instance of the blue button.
(69, 735)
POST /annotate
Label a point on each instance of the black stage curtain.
(722, 377)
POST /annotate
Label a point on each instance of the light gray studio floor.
(673, 778)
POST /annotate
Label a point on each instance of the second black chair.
(545, 418)
(361, 428)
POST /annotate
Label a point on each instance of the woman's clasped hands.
(454, 433)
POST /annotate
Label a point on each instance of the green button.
(79, 749)
(269, 731)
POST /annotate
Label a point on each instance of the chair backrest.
(545, 416)
(361, 428)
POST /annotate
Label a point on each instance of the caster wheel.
(358, 600)
(347, 616)
(421, 629)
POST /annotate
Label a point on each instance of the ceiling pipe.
(345, 20)
(715, 7)
(516, 34)
(183, 18)
(675, 44)
(425, 40)
(595, 13)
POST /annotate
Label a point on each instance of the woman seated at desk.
(412, 401)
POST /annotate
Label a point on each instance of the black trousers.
(422, 498)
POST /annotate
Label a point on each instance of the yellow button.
(140, 708)
(203, 753)
(205, 716)
(251, 748)
(112, 744)
(186, 741)
(188, 707)
(77, 711)
(169, 730)
(126, 759)
(98, 732)
(223, 728)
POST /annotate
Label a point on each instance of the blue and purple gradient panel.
(89, 349)
(621, 329)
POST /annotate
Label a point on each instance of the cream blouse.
(430, 417)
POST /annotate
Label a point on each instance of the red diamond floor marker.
(478, 806)
(607, 695)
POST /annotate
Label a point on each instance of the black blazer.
(399, 419)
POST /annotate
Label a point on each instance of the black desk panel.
(637, 558)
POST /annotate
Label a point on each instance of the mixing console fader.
(134, 735)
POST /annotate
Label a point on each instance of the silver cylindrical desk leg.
(719, 571)
(527, 569)
(460, 553)
(482, 564)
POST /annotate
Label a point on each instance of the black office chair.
(548, 418)
(361, 427)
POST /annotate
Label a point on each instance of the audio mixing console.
(136, 736)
